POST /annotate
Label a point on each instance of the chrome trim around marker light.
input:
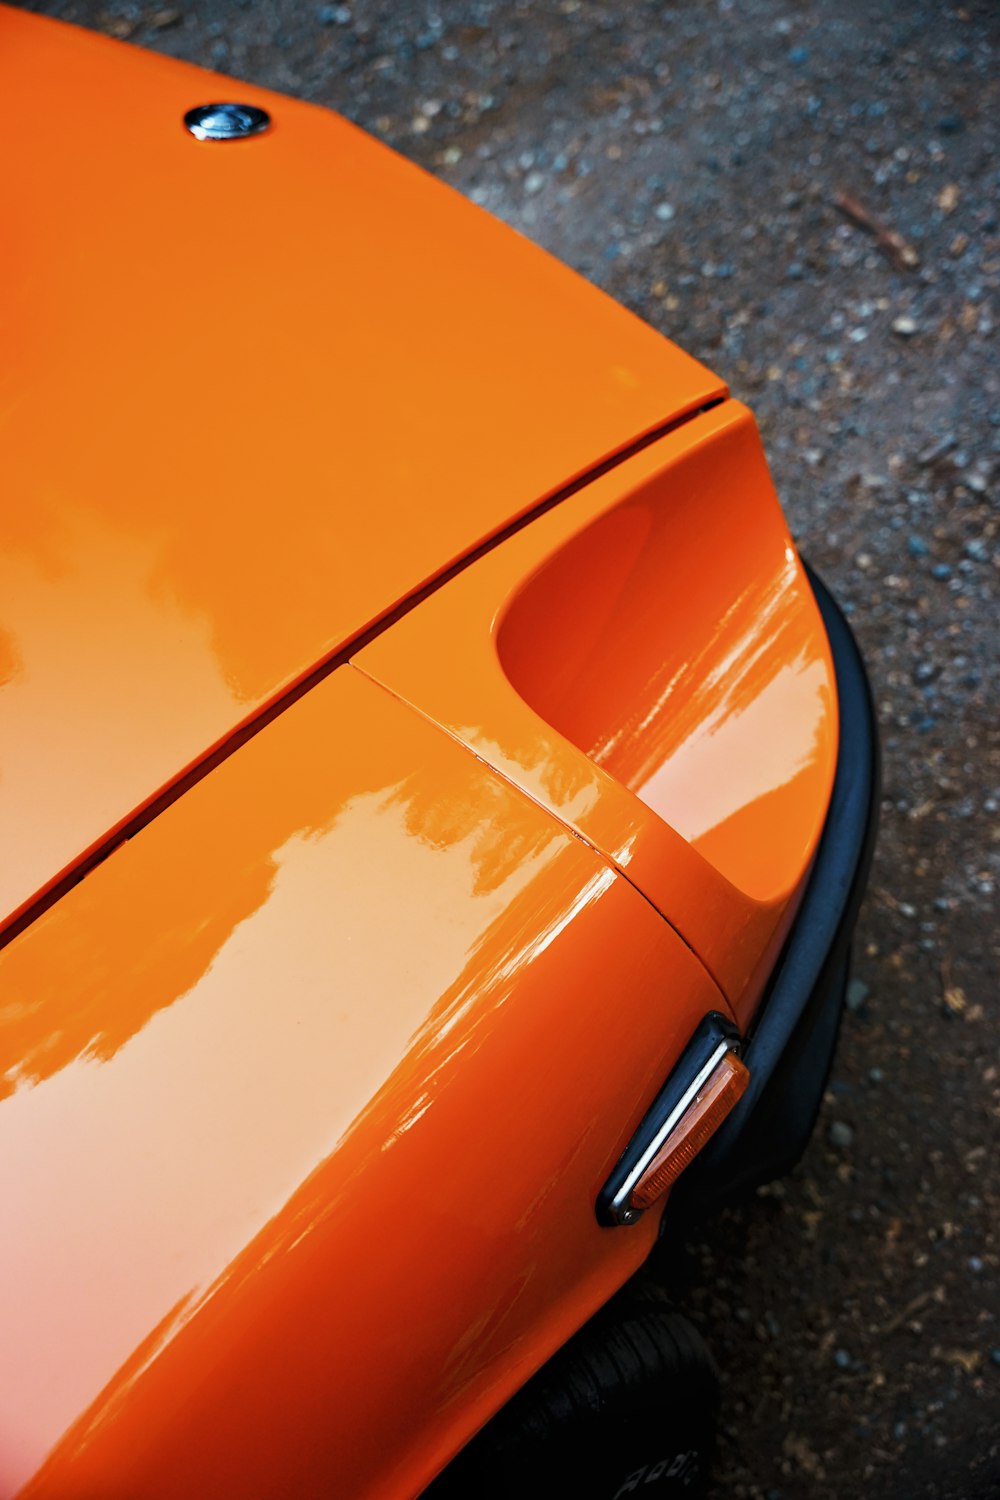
(619, 1209)
(713, 1037)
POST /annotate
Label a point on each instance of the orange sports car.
(434, 799)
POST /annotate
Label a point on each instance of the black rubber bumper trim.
(791, 1044)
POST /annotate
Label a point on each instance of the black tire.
(627, 1407)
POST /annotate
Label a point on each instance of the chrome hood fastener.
(226, 122)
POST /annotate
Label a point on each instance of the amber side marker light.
(707, 1082)
(699, 1121)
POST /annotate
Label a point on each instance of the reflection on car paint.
(656, 676)
(201, 502)
(103, 648)
(207, 1074)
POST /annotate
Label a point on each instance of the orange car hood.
(254, 395)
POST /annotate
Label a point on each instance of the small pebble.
(857, 994)
(936, 452)
(905, 326)
(840, 1135)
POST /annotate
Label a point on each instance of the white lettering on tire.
(682, 1466)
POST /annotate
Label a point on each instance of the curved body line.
(618, 867)
(191, 774)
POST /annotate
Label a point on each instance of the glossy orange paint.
(647, 662)
(310, 1089)
(253, 395)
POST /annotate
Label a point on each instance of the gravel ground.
(688, 158)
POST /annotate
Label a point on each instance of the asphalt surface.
(688, 158)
